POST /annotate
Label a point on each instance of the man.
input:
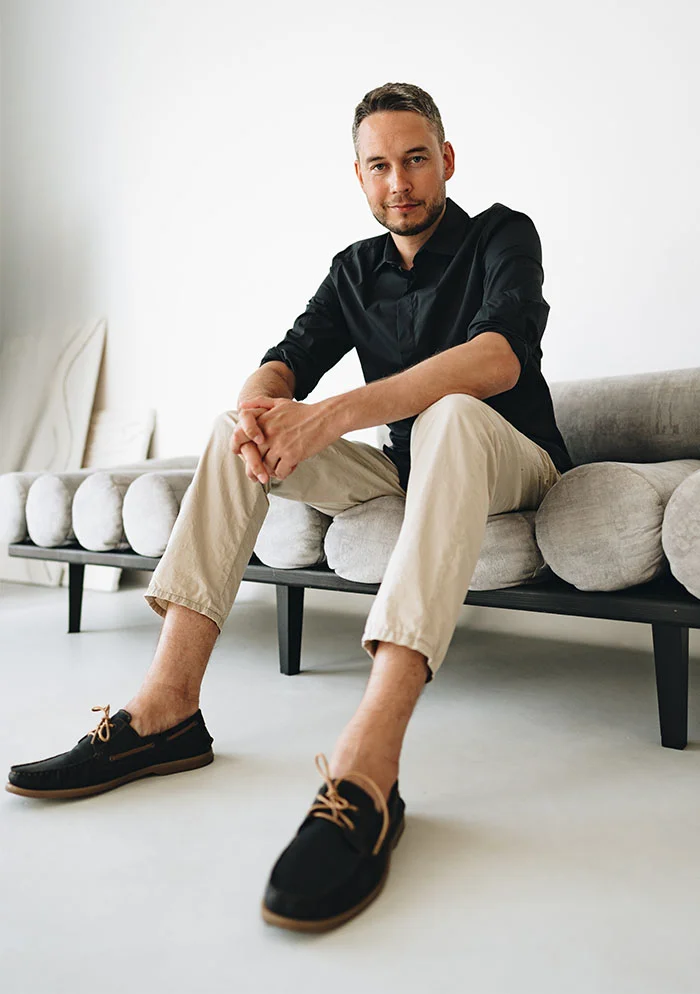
(447, 314)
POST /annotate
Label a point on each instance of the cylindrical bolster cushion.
(599, 527)
(360, 541)
(151, 505)
(292, 534)
(49, 507)
(680, 533)
(14, 488)
(97, 509)
(14, 491)
(509, 555)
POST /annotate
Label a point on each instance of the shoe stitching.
(49, 773)
(332, 805)
(182, 731)
(130, 752)
(71, 766)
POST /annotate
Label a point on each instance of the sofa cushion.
(639, 417)
(599, 527)
(509, 554)
(292, 535)
(97, 509)
(14, 493)
(14, 488)
(49, 507)
(360, 540)
(151, 505)
(680, 533)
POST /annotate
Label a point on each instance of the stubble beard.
(433, 210)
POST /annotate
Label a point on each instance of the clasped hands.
(275, 434)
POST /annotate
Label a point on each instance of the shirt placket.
(405, 318)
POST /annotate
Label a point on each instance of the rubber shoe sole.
(325, 924)
(159, 770)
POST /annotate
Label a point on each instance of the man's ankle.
(383, 770)
(158, 707)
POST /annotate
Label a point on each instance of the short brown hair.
(398, 96)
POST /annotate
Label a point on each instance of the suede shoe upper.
(339, 854)
(112, 750)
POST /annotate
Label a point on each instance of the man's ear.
(358, 173)
(449, 160)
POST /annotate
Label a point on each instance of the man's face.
(401, 162)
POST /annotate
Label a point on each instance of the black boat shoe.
(111, 754)
(339, 859)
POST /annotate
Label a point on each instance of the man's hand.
(292, 431)
(243, 443)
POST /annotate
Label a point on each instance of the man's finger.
(249, 422)
(251, 427)
(270, 463)
(250, 455)
(283, 470)
(238, 440)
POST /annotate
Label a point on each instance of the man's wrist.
(336, 413)
(265, 382)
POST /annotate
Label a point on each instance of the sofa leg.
(76, 574)
(290, 614)
(671, 662)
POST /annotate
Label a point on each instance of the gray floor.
(552, 844)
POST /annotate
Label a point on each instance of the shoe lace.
(333, 806)
(102, 731)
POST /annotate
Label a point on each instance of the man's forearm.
(274, 379)
(483, 367)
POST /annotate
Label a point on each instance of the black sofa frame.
(664, 603)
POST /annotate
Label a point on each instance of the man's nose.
(399, 180)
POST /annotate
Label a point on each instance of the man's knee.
(226, 420)
(452, 405)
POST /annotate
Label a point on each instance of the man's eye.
(421, 158)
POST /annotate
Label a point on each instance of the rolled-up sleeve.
(513, 304)
(318, 339)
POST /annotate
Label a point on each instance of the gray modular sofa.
(617, 537)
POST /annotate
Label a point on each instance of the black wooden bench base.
(664, 603)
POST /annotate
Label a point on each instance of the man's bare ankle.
(157, 707)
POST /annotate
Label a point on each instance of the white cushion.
(97, 510)
(292, 534)
(49, 507)
(599, 527)
(361, 539)
(151, 505)
(680, 533)
(14, 488)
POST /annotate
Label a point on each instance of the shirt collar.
(445, 240)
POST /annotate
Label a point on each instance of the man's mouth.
(404, 208)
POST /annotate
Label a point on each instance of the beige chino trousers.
(467, 462)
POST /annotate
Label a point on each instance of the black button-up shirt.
(474, 274)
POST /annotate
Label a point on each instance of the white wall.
(166, 163)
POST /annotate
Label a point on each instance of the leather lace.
(102, 731)
(333, 807)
